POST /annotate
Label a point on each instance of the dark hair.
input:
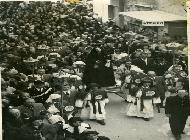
(74, 120)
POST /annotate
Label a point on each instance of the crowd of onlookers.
(44, 49)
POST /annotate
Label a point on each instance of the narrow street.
(120, 127)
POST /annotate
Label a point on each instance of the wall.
(177, 29)
(172, 6)
(162, 30)
(100, 7)
(103, 9)
(130, 4)
(175, 7)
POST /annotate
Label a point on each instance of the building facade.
(112, 9)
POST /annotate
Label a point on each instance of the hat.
(74, 119)
(69, 108)
(53, 97)
(30, 59)
(99, 97)
(183, 74)
(168, 76)
(146, 80)
(52, 109)
(91, 132)
(13, 71)
(79, 63)
(55, 54)
(172, 90)
(182, 90)
(138, 81)
(151, 73)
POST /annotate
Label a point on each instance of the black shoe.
(102, 122)
(183, 132)
(146, 119)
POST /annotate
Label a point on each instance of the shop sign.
(153, 23)
(72, 1)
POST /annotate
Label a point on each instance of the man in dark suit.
(96, 70)
(177, 108)
(144, 62)
(40, 92)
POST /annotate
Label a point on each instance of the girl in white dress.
(143, 101)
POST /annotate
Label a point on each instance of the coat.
(159, 86)
(27, 132)
(40, 96)
(142, 64)
(177, 106)
(102, 75)
(11, 127)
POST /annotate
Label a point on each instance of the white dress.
(134, 108)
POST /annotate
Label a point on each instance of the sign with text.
(72, 1)
(153, 23)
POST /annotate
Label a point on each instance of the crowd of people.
(57, 61)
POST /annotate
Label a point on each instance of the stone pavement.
(120, 127)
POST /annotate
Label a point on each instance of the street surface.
(120, 127)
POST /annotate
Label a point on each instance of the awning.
(153, 16)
